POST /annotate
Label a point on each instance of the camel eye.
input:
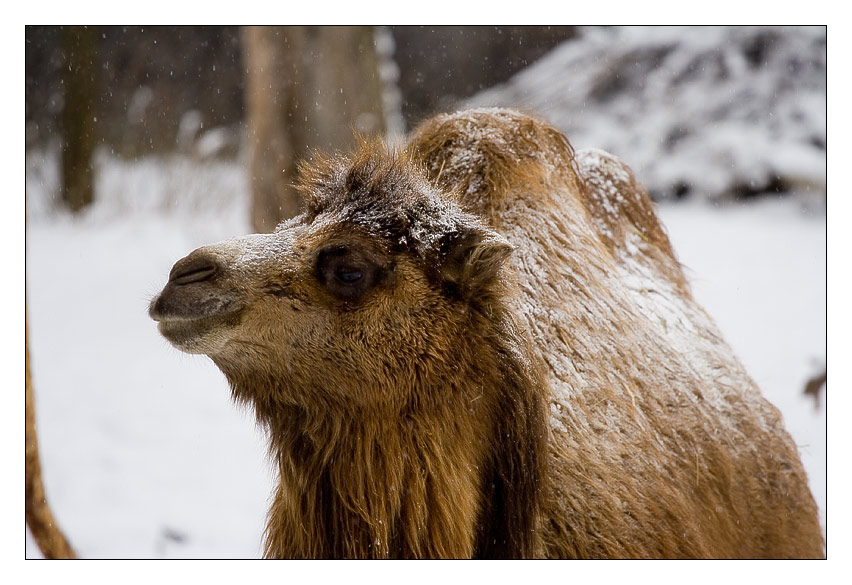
(347, 273)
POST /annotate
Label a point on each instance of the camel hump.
(490, 157)
(486, 156)
(618, 204)
(622, 213)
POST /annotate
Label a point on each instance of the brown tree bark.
(78, 115)
(307, 88)
(39, 518)
(272, 75)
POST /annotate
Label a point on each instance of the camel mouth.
(179, 305)
(200, 336)
(163, 311)
(195, 318)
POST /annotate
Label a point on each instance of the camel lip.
(198, 334)
(179, 305)
(185, 318)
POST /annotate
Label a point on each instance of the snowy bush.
(714, 111)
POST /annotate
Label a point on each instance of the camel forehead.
(383, 196)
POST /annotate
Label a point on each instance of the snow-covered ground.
(144, 455)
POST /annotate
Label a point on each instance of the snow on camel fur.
(481, 345)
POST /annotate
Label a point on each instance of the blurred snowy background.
(714, 112)
(143, 453)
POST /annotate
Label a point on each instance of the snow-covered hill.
(710, 111)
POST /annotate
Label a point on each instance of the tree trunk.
(272, 75)
(39, 518)
(78, 116)
(307, 88)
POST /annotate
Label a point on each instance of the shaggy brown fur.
(40, 520)
(483, 346)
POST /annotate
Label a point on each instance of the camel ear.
(472, 260)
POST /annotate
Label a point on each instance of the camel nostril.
(192, 269)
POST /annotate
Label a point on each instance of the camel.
(481, 345)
